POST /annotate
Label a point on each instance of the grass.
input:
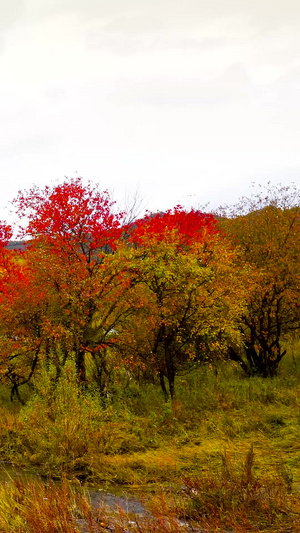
(228, 444)
(34, 507)
(230, 499)
(140, 440)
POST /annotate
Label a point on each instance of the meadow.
(223, 456)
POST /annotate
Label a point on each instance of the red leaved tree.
(187, 297)
(73, 282)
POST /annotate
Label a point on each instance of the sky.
(185, 101)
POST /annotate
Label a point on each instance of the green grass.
(136, 439)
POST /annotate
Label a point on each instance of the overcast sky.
(187, 100)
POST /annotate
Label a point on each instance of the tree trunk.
(80, 367)
(170, 366)
(171, 380)
(163, 385)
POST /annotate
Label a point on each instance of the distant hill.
(16, 245)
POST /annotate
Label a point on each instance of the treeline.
(150, 298)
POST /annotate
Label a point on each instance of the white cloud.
(186, 98)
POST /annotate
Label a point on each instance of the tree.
(267, 226)
(66, 302)
(187, 297)
(15, 285)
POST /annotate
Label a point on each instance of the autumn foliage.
(156, 297)
(267, 227)
(183, 311)
(189, 226)
(54, 306)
